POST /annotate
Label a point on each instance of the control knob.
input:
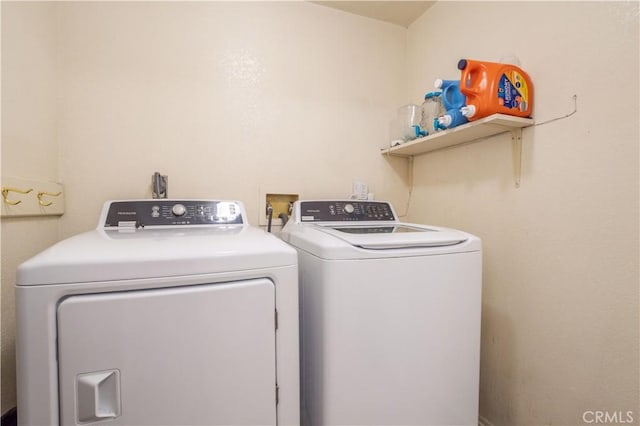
(348, 208)
(178, 209)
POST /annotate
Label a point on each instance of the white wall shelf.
(485, 127)
(489, 126)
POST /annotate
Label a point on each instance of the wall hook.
(159, 185)
(40, 194)
(5, 194)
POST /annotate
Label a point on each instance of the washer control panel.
(346, 211)
(165, 212)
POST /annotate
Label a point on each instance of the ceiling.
(401, 13)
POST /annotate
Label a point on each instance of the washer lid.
(354, 229)
(328, 241)
(394, 236)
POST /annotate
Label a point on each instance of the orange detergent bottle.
(492, 88)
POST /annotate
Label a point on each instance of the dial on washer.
(178, 209)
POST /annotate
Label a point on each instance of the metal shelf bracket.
(516, 143)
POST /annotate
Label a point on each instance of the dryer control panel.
(346, 211)
(166, 212)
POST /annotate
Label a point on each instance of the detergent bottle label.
(513, 91)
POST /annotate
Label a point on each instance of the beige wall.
(29, 149)
(560, 296)
(226, 98)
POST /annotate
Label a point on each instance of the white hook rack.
(27, 197)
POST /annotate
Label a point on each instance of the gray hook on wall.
(159, 185)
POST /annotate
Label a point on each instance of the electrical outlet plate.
(280, 200)
(360, 190)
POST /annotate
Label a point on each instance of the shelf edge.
(501, 123)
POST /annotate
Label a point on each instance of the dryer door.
(198, 355)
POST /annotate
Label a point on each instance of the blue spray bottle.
(453, 100)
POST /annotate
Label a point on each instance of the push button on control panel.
(155, 211)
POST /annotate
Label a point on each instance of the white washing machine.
(171, 312)
(390, 317)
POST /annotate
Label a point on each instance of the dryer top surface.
(130, 252)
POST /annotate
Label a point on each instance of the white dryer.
(390, 317)
(171, 312)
